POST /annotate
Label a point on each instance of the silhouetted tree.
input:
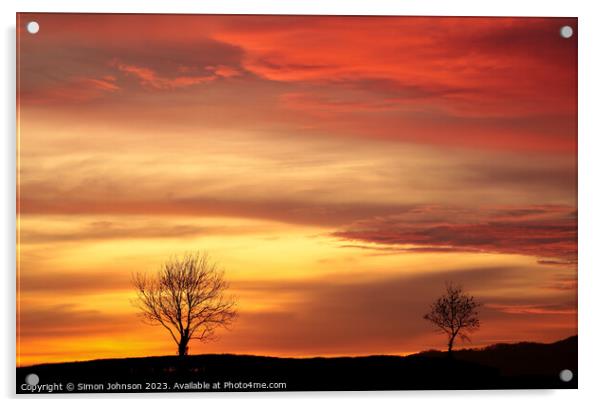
(187, 297)
(455, 314)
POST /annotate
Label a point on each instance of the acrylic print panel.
(281, 203)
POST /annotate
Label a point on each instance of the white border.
(590, 174)
(344, 7)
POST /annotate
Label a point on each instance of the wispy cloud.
(546, 232)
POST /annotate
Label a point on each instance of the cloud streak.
(546, 232)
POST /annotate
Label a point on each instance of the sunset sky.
(339, 169)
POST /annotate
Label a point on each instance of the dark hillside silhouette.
(523, 358)
(507, 366)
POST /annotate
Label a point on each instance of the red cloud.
(495, 83)
(499, 65)
(545, 232)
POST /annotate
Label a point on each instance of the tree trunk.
(450, 345)
(183, 347)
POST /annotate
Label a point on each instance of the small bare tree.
(187, 297)
(455, 314)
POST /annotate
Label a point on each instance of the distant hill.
(523, 358)
(503, 366)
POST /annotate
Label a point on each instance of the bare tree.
(187, 298)
(455, 314)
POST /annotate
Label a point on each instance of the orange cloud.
(535, 309)
(78, 89)
(224, 71)
(149, 78)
